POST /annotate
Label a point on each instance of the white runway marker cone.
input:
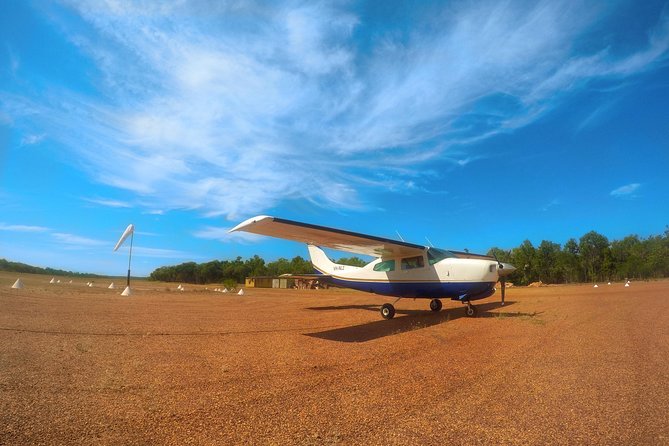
(241, 292)
(596, 286)
(111, 286)
(53, 280)
(18, 284)
(225, 290)
(627, 284)
(126, 292)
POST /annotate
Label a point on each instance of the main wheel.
(470, 311)
(387, 311)
(435, 305)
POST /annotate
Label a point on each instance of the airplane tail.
(323, 264)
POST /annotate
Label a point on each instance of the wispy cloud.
(160, 253)
(22, 228)
(222, 235)
(78, 242)
(552, 203)
(108, 203)
(626, 191)
(30, 140)
(14, 61)
(232, 110)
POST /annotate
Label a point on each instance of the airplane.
(400, 269)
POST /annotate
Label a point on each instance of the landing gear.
(470, 311)
(435, 305)
(387, 311)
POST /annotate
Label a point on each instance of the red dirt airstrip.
(556, 365)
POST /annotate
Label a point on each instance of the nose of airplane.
(504, 269)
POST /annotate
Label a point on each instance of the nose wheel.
(470, 311)
(387, 311)
(435, 305)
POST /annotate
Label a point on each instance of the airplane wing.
(329, 237)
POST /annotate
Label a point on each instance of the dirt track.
(556, 365)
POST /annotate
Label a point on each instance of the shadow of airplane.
(413, 320)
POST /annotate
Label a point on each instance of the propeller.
(502, 280)
(502, 275)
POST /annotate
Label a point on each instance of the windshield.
(435, 255)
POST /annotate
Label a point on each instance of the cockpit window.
(412, 262)
(386, 265)
(435, 255)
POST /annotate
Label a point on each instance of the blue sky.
(471, 124)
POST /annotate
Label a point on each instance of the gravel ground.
(556, 365)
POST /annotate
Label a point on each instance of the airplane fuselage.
(414, 276)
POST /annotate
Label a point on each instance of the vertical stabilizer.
(322, 263)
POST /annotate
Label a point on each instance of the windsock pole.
(130, 256)
(129, 231)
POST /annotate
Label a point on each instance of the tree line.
(592, 258)
(17, 267)
(224, 271)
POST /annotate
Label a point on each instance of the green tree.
(524, 259)
(548, 269)
(569, 262)
(186, 272)
(256, 266)
(301, 266)
(593, 247)
(500, 254)
(351, 261)
(278, 267)
(209, 272)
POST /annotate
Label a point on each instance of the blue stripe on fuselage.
(464, 291)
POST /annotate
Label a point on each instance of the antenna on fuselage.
(429, 242)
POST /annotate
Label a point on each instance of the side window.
(412, 262)
(387, 265)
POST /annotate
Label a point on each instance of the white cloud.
(30, 140)
(22, 228)
(155, 212)
(160, 253)
(222, 234)
(75, 241)
(109, 203)
(232, 108)
(626, 191)
(554, 202)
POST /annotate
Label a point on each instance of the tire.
(387, 311)
(435, 305)
(470, 311)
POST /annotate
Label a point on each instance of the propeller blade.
(503, 281)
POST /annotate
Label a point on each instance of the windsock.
(129, 230)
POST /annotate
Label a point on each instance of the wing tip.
(249, 222)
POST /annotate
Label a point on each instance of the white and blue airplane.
(401, 269)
